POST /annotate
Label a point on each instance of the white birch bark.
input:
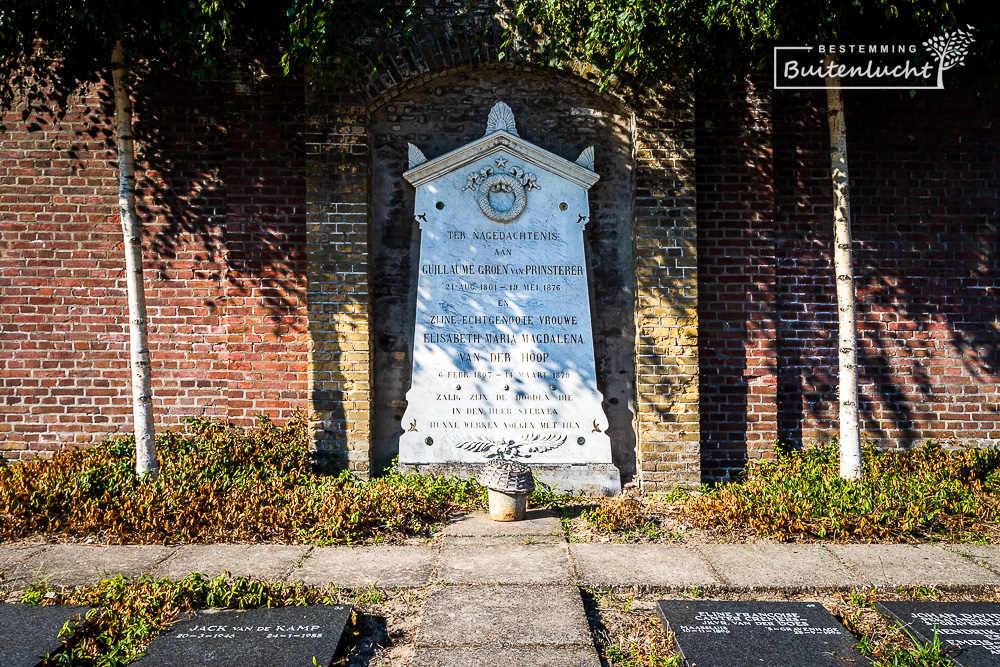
(843, 264)
(146, 465)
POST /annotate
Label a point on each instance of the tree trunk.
(146, 465)
(843, 264)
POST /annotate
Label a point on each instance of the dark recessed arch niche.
(558, 113)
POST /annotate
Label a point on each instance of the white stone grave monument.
(503, 349)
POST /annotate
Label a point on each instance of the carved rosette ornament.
(514, 182)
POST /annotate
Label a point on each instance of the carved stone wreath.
(516, 182)
(502, 183)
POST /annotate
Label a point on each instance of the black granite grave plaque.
(28, 632)
(969, 631)
(285, 636)
(715, 633)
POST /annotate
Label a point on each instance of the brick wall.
(924, 198)
(261, 257)
(736, 274)
(665, 429)
(221, 192)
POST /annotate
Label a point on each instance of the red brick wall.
(221, 191)
(925, 194)
(223, 197)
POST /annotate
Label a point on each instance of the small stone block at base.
(969, 632)
(277, 637)
(749, 634)
(29, 632)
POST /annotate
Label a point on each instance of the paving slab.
(479, 524)
(504, 616)
(259, 561)
(498, 560)
(13, 572)
(382, 566)
(779, 566)
(653, 565)
(984, 554)
(80, 564)
(890, 565)
(506, 657)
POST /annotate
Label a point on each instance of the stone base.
(591, 479)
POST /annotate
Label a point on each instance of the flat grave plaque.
(28, 632)
(744, 634)
(277, 637)
(969, 631)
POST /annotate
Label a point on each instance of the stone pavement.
(511, 585)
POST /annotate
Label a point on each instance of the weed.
(219, 483)
(923, 493)
(617, 514)
(370, 595)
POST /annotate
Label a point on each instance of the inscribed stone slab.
(277, 637)
(28, 632)
(771, 634)
(503, 354)
(969, 631)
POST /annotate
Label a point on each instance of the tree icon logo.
(950, 49)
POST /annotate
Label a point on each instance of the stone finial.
(501, 118)
(416, 157)
(586, 158)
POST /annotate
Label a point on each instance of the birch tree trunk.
(843, 264)
(146, 465)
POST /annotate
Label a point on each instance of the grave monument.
(969, 632)
(29, 632)
(261, 637)
(503, 348)
(713, 633)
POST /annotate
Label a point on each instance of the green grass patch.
(220, 483)
(926, 493)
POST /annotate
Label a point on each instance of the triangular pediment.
(502, 137)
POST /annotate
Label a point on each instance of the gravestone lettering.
(969, 632)
(741, 634)
(277, 637)
(503, 351)
(29, 632)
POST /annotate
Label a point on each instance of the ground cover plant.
(220, 483)
(921, 494)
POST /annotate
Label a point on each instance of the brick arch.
(437, 47)
(664, 399)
